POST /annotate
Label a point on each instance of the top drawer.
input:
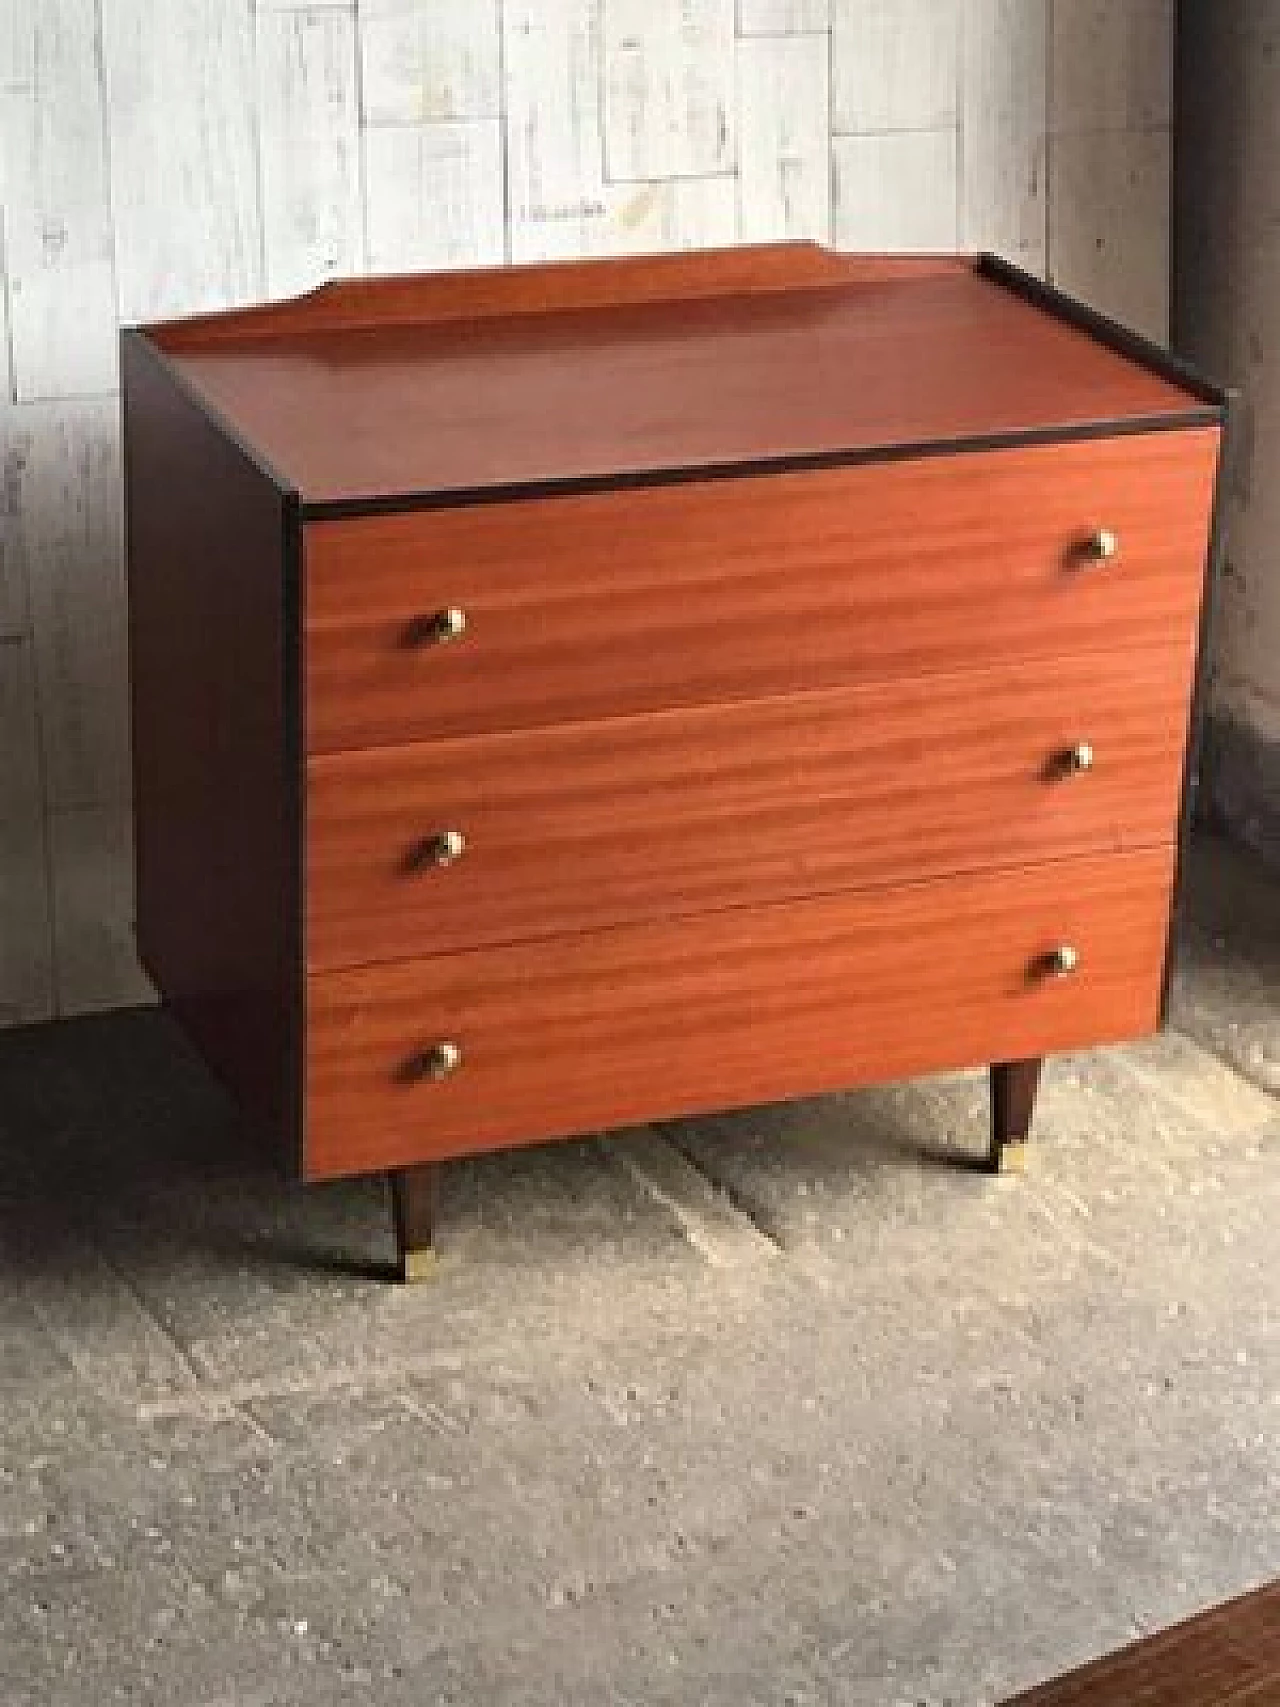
(630, 600)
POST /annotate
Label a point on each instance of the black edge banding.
(291, 633)
(1199, 695)
(338, 509)
(1122, 339)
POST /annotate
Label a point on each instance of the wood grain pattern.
(784, 142)
(214, 761)
(1227, 1657)
(433, 195)
(676, 1017)
(630, 601)
(595, 824)
(895, 64)
(660, 386)
(53, 183)
(668, 88)
(67, 486)
(547, 287)
(309, 145)
(183, 155)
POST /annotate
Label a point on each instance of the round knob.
(1080, 758)
(438, 1062)
(1104, 544)
(439, 627)
(444, 848)
(1063, 960)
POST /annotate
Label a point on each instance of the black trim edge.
(138, 338)
(576, 486)
(293, 597)
(1122, 339)
(1197, 717)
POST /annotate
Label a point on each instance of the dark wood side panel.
(649, 1021)
(633, 600)
(585, 825)
(483, 293)
(212, 574)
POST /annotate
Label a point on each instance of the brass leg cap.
(1011, 1156)
(416, 1266)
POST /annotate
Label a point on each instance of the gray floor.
(778, 1408)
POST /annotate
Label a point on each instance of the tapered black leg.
(1013, 1101)
(413, 1205)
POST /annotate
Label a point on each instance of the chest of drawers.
(578, 695)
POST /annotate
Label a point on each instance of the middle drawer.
(490, 839)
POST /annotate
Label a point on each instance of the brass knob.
(444, 848)
(1063, 960)
(1079, 758)
(436, 1063)
(1104, 544)
(438, 628)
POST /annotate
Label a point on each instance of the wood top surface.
(597, 371)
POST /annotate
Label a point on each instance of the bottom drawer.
(609, 1028)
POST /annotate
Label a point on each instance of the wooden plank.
(1109, 224)
(668, 89)
(184, 170)
(71, 528)
(94, 946)
(896, 191)
(895, 66)
(681, 1016)
(782, 17)
(784, 143)
(434, 196)
(561, 205)
(1003, 177)
(310, 146)
(1112, 65)
(425, 60)
(58, 232)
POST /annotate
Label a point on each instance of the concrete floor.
(763, 1409)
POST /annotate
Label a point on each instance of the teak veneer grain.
(638, 389)
(594, 606)
(751, 1005)
(585, 825)
(737, 609)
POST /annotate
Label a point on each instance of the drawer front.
(497, 838)
(609, 1028)
(634, 600)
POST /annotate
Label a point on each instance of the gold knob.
(444, 848)
(1104, 544)
(436, 629)
(438, 1062)
(1080, 758)
(1063, 960)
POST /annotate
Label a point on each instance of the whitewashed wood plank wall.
(164, 158)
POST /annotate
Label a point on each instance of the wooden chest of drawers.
(585, 694)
